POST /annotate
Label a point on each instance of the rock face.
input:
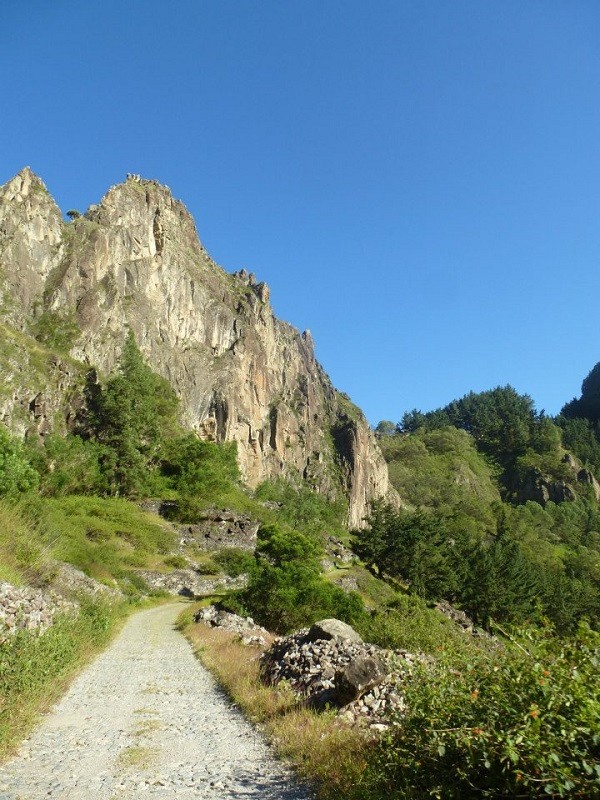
(543, 488)
(135, 260)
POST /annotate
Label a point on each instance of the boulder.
(358, 677)
(332, 629)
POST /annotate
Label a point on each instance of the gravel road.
(146, 718)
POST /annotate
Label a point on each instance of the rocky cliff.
(135, 260)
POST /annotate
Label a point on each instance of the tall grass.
(35, 669)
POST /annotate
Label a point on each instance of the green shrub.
(70, 465)
(16, 473)
(234, 561)
(303, 509)
(409, 624)
(286, 591)
(507, 725)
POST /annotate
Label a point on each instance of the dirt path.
(146, 718)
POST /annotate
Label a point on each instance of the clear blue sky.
(418, 182)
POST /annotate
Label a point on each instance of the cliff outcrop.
(135, 260)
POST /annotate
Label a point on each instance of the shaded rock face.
(543, 489)
(135, 260)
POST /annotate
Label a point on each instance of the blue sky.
(418, 182)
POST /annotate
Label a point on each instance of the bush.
(286, 591)
(512, 725)
(16, 473)
(233, 561)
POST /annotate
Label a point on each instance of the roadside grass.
(323, 750)
(23, 556)
(103, 538)
(35, 670)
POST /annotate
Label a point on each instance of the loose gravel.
(146, 718)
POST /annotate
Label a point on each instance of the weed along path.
(146, 719)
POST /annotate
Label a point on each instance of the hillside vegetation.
(499, 517)
(514, 716)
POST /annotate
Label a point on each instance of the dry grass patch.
(323, 749)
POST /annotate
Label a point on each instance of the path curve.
(147, 719)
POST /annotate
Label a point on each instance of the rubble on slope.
(189, 583)
(26, 608)
(248, 630)
(362, 680)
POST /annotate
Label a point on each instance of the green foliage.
(508, 724)
(302, 508)
(441, 470)
(56, 330)
(500, 584)
(408, 623)
(234, 561)
(414, 547)
(582, 437)
(285, 590)
(16, 473)
(23, 556)
(504, 427)
(70, 465)
(491, 578)
(131, 417)
(202, 473)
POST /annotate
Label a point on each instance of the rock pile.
(25, 608)
(189, 583)
(249, 632)
(329, 665)
(71, 581)
(220, 528)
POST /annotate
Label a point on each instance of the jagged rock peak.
(23, 183)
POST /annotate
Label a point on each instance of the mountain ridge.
(135, 261)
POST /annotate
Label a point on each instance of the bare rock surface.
(146, 719)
